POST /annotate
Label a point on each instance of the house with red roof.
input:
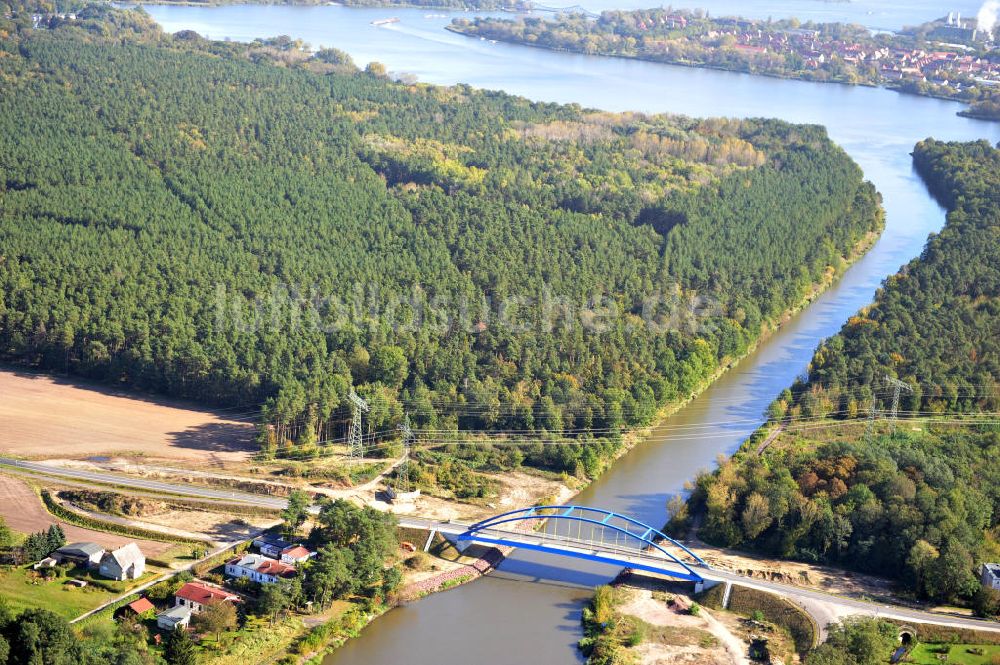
(190, 599)
(197, 595)
(139, 607)
(296, 554)
(259, 568)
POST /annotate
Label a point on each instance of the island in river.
(949, 58)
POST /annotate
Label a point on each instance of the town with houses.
(950, 63)
(956, 61)
(953, 57)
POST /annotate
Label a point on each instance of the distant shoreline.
(967, 112)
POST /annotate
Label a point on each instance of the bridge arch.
(644, 538)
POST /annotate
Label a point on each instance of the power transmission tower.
(897, 386)
(355, 439)
(403, 470)
(870, 428)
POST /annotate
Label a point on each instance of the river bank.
(899, 87)
(492, 557)
(528, 595)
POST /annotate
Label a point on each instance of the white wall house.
(125, 563)
(259, 568)
(190, 599)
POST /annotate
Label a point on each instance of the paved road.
(825, 608)
(187, 491)
(822, 606)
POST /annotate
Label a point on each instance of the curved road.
(823, 607)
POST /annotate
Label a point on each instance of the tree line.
(219, 222)
(920, 503)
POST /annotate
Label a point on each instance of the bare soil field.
(42, 416)
(678, 637)
(23, 511)
(814, 576)
(219, 528)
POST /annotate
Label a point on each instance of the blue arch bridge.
(581, 532)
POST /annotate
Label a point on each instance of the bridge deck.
(649, 560)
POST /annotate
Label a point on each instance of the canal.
(528, 611)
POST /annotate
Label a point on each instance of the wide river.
(528, 611)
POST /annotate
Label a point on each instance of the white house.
(173, 618)
(189, 600)
(296, 554)
(271, 545)
(125, 563)
(196, 595)
(259, 568)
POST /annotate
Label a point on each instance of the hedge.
(932, 634)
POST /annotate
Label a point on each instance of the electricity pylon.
(403, 470)
(870, 428)
(897, 386)
(355, 439)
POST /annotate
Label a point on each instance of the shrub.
(753, 603)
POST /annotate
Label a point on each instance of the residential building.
(296, 554)
(196, 595)
(173, 618)
(82, 554)
(271, 545)
(259, 568)
(125, 563)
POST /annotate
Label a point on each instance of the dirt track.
(24, 512)
(45, 417)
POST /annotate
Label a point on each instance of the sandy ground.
(684, 642)
(832, 580)
(199, 524)
(517, 490)
(220, 528)
(23, 511)
(42, 416)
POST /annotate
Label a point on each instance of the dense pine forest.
(920, 501)
(250, 224)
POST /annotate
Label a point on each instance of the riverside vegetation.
(920, 504)
(251, 225)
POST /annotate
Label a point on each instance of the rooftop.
(81, 549)
(176, 614)
(263, 565)
(204, 594)
(127, 555)
(271, 539)
(140, 606)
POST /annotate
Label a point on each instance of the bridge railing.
(632, 538)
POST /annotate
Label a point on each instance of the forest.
(918, 500)
(257, 228)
